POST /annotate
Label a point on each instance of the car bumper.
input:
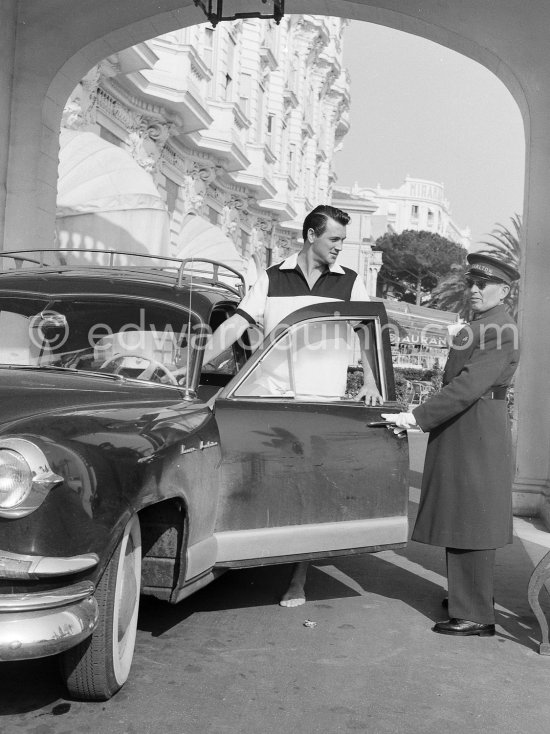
(40, 624)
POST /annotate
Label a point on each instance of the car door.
(306, 470)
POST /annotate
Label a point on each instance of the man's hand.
(370, 394)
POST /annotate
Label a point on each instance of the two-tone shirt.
(283, 289)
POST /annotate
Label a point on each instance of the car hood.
(25, 392)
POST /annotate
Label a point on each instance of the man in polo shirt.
(305, 278)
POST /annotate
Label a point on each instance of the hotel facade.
(235, 128)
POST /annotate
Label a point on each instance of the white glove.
(402, 420)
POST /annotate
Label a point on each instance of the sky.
(420, 109)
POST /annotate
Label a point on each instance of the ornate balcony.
(226, 135)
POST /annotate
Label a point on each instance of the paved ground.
(231, 661)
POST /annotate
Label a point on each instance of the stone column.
(531, 489)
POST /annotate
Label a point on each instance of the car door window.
(314, 360)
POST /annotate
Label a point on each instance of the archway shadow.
(414, 575)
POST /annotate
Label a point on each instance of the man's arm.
(369, 392)
(252, 306)
(225, 335)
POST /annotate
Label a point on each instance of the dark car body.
(144, 482)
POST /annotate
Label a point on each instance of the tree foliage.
(450, 293)
(414, 262)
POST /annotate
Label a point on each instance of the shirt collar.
(291, 263)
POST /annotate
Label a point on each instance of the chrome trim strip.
(44, 566)
(45, 599)
(39, 633)
(314, 538)
(380, 359)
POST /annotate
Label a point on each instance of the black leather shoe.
(463, 627)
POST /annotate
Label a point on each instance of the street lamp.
(213, 9)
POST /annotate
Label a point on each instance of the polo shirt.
(283, 289)
(293, 368)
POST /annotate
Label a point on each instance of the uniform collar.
(490, 312)
(291, 263)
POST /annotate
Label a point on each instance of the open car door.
(306, 470)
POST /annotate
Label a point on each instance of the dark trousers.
(470, 574)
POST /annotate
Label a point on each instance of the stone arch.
(142, 25)
(135, 22)
(56, 45)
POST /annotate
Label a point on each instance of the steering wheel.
(152, 366)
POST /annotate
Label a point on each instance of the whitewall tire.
(99, 666)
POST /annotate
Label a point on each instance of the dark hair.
(318, 217)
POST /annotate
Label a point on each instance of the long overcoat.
(466, 498)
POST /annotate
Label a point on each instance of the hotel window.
(430, 218)
(245, 84)
(207, 51)
(172, 190)
(284, 141)
(228, 84)
(260, 113)
(292, 161)
(414, 211)
(109, 137)
(270, 129)
(228, 88)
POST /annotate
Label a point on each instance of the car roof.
(201, 283)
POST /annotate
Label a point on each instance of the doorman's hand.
(401, 420)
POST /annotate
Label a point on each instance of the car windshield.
(129, 337)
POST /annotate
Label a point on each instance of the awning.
(202, 239)
(105, 200)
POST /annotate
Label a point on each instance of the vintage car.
(128, 467)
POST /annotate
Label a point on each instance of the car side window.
(133, 338)
(314, 360)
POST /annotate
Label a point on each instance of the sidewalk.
(358, 656)
(497, 687)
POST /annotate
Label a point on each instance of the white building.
(417, 204)
(236, 126)
(357, 252)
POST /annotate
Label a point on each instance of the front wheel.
(99, 666)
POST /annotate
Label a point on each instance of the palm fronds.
(507, 243)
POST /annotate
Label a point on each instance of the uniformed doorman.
(466, 499)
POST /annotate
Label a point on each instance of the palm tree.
(506, 242)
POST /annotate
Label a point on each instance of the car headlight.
(15, 478)
(25, 477)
